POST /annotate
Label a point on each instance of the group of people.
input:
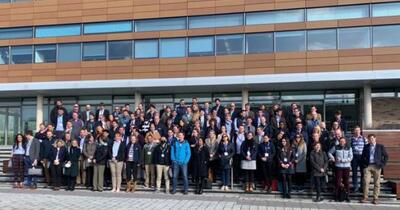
(201, 142)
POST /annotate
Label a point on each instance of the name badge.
(148, 153)
(284, 159)
(226, 153)
(266, 154)
(162, 155)
(248, 153)
(130, 155)
(297, 155)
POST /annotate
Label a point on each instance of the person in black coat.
(57, 159)
(248, 153)
(162, 160)
(374, 158)
(286, 162)
(99, 161)
(71, 167)
(133, 154)
(266, 153)
(200, 162)
(225, 151)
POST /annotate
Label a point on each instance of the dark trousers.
(249, 175)
(237, 171)
(356, 165)
(131, 170)
(318, 180)
(300, 179)
(267, 173)
(286, 184)
(89, 176)
(18, 167)
(71, 180)
(56, 174)
(342, 178)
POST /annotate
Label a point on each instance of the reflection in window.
(119, 50)
(172, 48)
(201, 46)
(55, 31)
(321, 39)
(290, 41)
(386, 9)
(259, 43)
(384, 36)
(274, 17)
(350, 38)
(229, 44)
(338, 13)
(16, 33)
(4, 55)
(110, 27)
(45, 53)
(69, 52)
(146, 48)
(94, 51)
(160, 24)
(212, 21)
(21, 54)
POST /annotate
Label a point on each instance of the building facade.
(335, 54)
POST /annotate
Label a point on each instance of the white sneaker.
(113, 190)
(227, 188)
(223, 188)
(117, 190)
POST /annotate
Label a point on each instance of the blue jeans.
(176, 169)
(356, 164)
(30, 180)
(225, 177)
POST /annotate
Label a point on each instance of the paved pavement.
(43, 199)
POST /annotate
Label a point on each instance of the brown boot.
(129, 186)
(251, 187)
(247, 187)
(133, 186)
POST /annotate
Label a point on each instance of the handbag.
(35, 171)
(248, 165)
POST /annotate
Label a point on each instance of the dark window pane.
(229, 44)
(55, 31)
(94, 51)
(350, 38)
(120, 50)
(384, 36)
(21, 54)
(321, 39)
(259, 43)
(161, 24)
(201, 46)
(289, 41)
(111, 27)
(16, 33)
(146, 48)
(172, 48)
(4, 55)
(69, 52)
(45, 53)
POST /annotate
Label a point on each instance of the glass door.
(10, 124)
(3, 121)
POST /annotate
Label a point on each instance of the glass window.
(350, 38)
(289, 41)
(338, 13)
(259, 43)
(321, 39)
(171, 48)
(201, 46)
(94, 51)
(69, 52)
(45, 53)
(273, 17)
(55, 31)
(110, 27)
(4, 55)
(5, 1)
(216, 21)
(386, 9)
(146, 48)
(383, 36)
(16, 33)
(230, 44)
(120, 50)
(161, 24)
(21, 54)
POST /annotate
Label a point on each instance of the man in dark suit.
(86, 113)
(60, 122)
(374, 158)
(102, 111)
(219, 108)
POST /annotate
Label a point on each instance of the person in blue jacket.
(180, 155)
